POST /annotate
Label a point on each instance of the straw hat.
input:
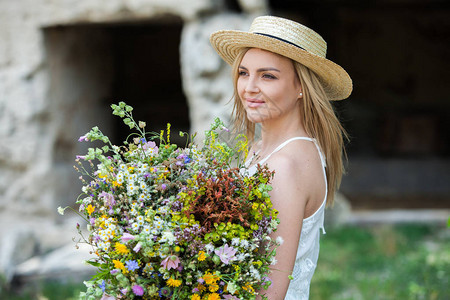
(289, 39)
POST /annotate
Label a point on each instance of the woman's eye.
(242, 73)
(269, 76)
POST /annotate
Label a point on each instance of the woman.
(283, 81)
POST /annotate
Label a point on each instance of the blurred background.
(62, 63)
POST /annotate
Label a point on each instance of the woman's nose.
(252, 86)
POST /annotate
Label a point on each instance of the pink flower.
(138, 290)
(107, 198)
(107, 297)
(126, 237)
(225, 253)
(137, 247)
(170, 262)
(230, 297)
(149, 145)
(83, 138)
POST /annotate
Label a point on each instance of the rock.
(259, 7)
(339, 213)
(206, 78)
(17, 245)
(65, 263)
(39, 124)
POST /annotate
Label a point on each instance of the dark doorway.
(91, 66)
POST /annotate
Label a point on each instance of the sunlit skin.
(270, 93)
(268, 87)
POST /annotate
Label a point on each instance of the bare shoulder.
(298, 175)
(297, 159)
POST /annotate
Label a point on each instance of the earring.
(300, 95)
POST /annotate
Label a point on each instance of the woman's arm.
(295, 181)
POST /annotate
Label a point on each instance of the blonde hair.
(319, 120)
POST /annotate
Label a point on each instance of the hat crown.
(290, 32)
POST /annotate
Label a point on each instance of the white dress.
(308, 248)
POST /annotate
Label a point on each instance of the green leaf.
(93, 263)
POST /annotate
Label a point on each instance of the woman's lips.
(253, 103)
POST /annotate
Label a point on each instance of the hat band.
(280, 39)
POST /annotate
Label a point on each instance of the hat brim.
(336, 82)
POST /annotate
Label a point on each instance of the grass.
(383, 262)
(380, 262)
(44, 290)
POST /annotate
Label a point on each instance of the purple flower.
(138, 290)
(124, 291)
(230, 297)
(97, 238)
(164, 292)
(126, 237)
(114, 271)
(107, 297)
(225, 253)
(107, 198)
(137, 247)
(149, 145)
(83, 138)
(102, 285)
(132, 265)
(163, 186)
(81, 157)
(170, 262)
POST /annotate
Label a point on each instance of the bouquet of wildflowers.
(174, 223)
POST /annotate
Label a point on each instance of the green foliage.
(383, 262)
(408, 262)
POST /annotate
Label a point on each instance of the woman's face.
(268, 86)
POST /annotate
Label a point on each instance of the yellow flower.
(119, 265)
(173, 282)
(121, 248)
(201, 287)
(249, 288)
(168, 133)
(195, 297)
(209, 278)
(90, 209)
(213, 287)
(213, 296)
(201, 256)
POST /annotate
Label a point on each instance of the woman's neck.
(274, 132)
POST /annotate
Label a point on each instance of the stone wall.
(49, 95)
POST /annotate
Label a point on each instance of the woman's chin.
(258, 116)
(255, 118)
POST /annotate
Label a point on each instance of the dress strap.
(281, 146)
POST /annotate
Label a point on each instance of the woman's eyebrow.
(262, 69)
